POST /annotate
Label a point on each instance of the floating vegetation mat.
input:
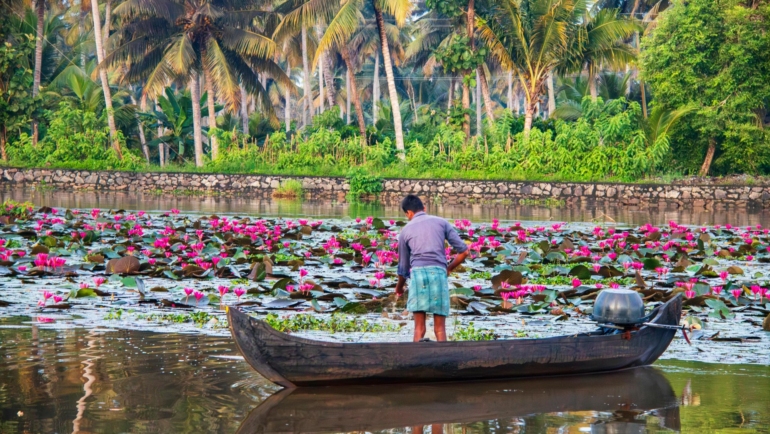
(170, 271)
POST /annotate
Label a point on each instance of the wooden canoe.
(291, 361)
(622, 398)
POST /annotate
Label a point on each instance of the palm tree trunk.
(510, 91)
(306, 90)
(244, 111)
(353, 93)
(212, 117)
(394, 106)
(161, 145)
(469, 28)
(347, 91)
(466, 101)
(321, 92)
(531, 103)
(704, 169)
(140, 124)
(103, 77)
(195, 96)
(478, 103)
(551, 95)
(376, 88)
(106, 27)
(528, 113)
(450, 94)
(644, 98)
(331, 91)
(40, 11)
(287, 103)
(81, 33)
(592, 85)
(517, 98)
(485, 93)
(3, 138)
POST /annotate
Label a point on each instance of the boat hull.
(291, 361)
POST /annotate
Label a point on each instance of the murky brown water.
(103, 381)
(240, 205)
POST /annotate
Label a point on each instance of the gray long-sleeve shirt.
(421, 243)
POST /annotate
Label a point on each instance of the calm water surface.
(117, 381)
(327, 209)
(109, 381)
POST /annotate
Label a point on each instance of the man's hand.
(400, 285)
(456, 263)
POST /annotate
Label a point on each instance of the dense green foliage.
(16, 102)
(555, 103)
(75, 139)
(712, 55)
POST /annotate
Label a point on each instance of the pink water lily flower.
(198, 295)
(239, 292)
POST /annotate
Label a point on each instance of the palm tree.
(181, 40)
(571, 93)
(349, 34)
(344, 19)
(103, 77)
(531, 38)
(40, 12)
(599, 43)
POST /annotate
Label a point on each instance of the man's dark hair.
(412, 203)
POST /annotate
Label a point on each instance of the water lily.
(689, 293)
(576, 283)
(188, 292)
(238, 291)
(736, 292)
(57, 299)
(198, 295)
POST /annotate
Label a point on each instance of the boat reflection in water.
(622, 402)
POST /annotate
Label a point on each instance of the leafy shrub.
(290, 188)
(75, 139)
(363, 183)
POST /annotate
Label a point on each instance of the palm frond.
(247, 43)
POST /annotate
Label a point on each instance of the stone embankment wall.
(706, 196)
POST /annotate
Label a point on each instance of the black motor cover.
(619, 306)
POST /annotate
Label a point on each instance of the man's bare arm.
(400, 285)
(456, 262)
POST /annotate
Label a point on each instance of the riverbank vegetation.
(618, 90)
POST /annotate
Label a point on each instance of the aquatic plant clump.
(168, 267)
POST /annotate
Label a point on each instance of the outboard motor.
(622, 308)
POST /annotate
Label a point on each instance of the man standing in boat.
(422, 259)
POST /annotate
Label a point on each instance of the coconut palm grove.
(384, 216)
(513, 89)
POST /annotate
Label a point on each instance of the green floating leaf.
(651, 263)
(581, 272)
(129, 282)
(693, 268)
(82, 293)
(465, 292)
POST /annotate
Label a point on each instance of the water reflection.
(624, 402)
(116, 381)
(586, 212)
